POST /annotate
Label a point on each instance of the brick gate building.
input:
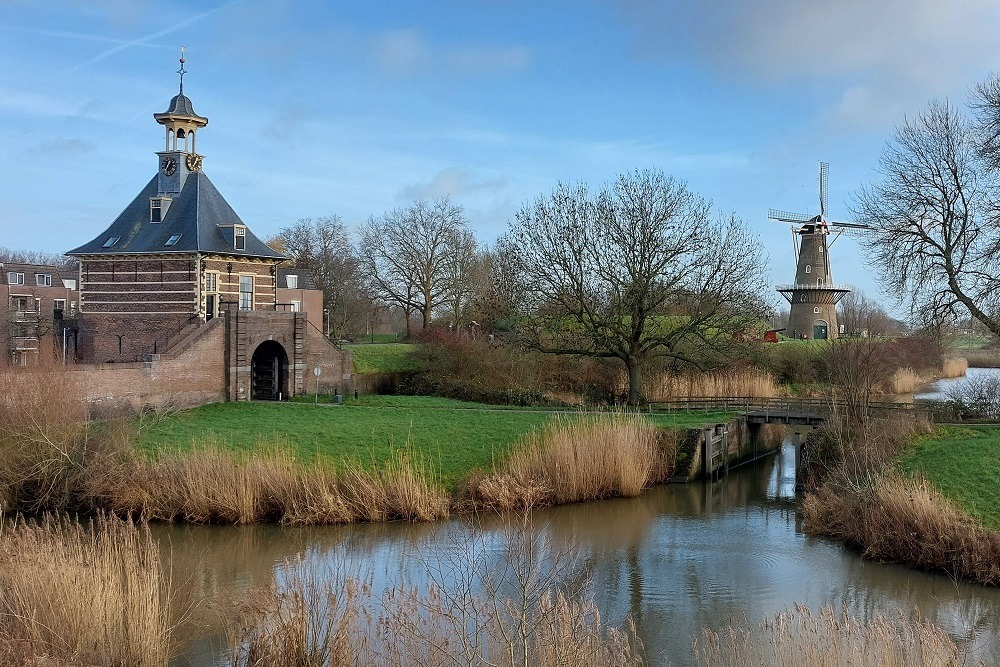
(177, 259)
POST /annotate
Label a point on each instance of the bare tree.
(322, 246)
(639, 270)
(862, 317)
(466, 275)
(934, 236)
(409, 254)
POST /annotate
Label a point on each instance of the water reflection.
(940, 389)
(678, 559)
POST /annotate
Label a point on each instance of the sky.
(356, 108)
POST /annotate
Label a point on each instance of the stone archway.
(821, 330)
(269, 372)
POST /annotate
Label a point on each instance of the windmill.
(813, 297)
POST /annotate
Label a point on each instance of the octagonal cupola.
(179, 156)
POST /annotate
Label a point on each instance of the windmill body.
(813, 297)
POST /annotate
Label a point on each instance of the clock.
(194, 162)
(169, 165)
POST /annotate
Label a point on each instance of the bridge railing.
(780, 405)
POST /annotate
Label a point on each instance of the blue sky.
(356, 108)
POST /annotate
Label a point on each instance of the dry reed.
(745, 382)
(955, 367)
(892, 518)
(905, 381)
(332, 618)
(87, 596)
(578, 459)
(211, 485)
(797, 638)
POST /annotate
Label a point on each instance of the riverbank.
(409, 458)
(898, 491)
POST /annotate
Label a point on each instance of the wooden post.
(797, 443)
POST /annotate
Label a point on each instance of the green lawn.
(455, 436)
(964, 464)
(382, 357)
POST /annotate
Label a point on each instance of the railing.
(814, 286)
(785, 405)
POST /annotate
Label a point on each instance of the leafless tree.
(862, 317)
(933, 216)
(7, 255)
(641, 269)
(410, 254)
(467, 274)
(322, 246)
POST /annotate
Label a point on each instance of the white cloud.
(451, 182)
(879, 56)
(406, 52)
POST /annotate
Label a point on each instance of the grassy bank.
(383, 357)
(454, 436)
(964, 465)
(897, 492)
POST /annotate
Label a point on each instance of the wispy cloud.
(141, 41)
(451, 182)
(64, 147)
(407, 52)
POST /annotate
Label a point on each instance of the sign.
(317, 371)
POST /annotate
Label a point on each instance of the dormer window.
(155, 210)
(240, 237)
(172, 241)
(292, 281)
(15, 278)
(111, 241)
(43, 279)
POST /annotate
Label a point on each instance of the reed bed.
(578, 459)
(893, 518)
(211, 485)
(955, 367)
(905, 381)
(334, 619)
(987, 358)
(751, 382)
(799, 638)
(78, 595)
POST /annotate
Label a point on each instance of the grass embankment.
(383, 357)
(455, 437)
(882, 495)
(964, 465)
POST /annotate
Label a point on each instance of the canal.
(677, 559)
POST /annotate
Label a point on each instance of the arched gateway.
(269, 372)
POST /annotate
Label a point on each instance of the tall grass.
(94, 595)
(729, 383)
(954, 367)
(905, 381)
(798, 638)
(893, 518)
(211, 485)
(495, 599)
(574, 460)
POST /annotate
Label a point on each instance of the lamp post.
(326, 320)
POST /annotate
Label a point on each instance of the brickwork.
(126, 338)
(192, 375)
(33, 301)
(228, 271)
(310, 302)
(126, 285)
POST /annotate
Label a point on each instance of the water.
(938, 391)
(678, 559)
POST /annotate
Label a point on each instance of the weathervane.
(182, 71)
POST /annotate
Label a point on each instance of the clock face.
(194, 162)
(169, 165)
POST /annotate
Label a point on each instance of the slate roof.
(306, 278)
(200, 214)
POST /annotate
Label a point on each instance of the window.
(816, 310)
(20, 303)
(292, 281)
(72, 307)
(43, 279)
(15, 278)
(296, 306)
(821, 249)
(155, 210)
(173, 240)
(240, 237)
(59, 304)
(211, 281)
(809, 268)
(246, 292)
(111, 241)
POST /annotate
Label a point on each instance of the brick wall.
(126, 338)
(192, 375)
